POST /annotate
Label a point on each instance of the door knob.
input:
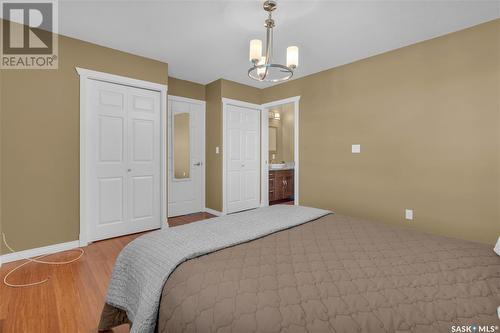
(198, 164)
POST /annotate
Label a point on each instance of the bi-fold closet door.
(124, 159)
(243, 158)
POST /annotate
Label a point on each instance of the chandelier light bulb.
(255, 50)
(292, 57)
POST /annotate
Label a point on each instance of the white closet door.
(243, 158)
(124, 155)
(144, 158)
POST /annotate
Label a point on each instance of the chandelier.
(264, 69)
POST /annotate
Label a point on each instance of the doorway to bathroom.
(280, 152)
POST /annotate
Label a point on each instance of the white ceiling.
(206, 40)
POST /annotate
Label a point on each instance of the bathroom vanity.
(281, 184)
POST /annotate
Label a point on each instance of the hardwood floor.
(180, 220)
(282, 202)
(72, 299)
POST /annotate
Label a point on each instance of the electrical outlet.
(409, 214)
(356, 149)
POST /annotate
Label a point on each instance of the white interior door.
(242, 158)
(186, 156)
(124, 159)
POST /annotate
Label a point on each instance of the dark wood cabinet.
(289, 179)
(281, 185)
(271, 185)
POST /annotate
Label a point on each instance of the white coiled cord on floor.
(36, 260)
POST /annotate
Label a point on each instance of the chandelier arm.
(269, 44)
(269, 50)
(253, 73)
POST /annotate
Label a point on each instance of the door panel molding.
(229, 153)
(111, 100)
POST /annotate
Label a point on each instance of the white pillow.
(497, 248)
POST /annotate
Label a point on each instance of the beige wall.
(213, 132)
(183, 88)
(241, 92)
(427, 119)
(40, 158)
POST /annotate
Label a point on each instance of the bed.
(333, 273)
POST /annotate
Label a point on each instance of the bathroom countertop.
(282, 169)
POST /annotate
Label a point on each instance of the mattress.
(336, 274)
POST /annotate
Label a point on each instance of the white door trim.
(187, 100)
(225, 103)
(265, 147)
(264, 156)
(203, 153)
(85, 75)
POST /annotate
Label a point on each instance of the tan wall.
(40, 159)
(183, 88)
(241, 92)
(427, 119)
(213, 161)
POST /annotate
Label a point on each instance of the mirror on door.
(181, 156)
(281, 154)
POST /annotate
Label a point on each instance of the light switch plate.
(216, 150)
(409, 214)
(356, 149)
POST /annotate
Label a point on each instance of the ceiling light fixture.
(264, 69)
(274, 115)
